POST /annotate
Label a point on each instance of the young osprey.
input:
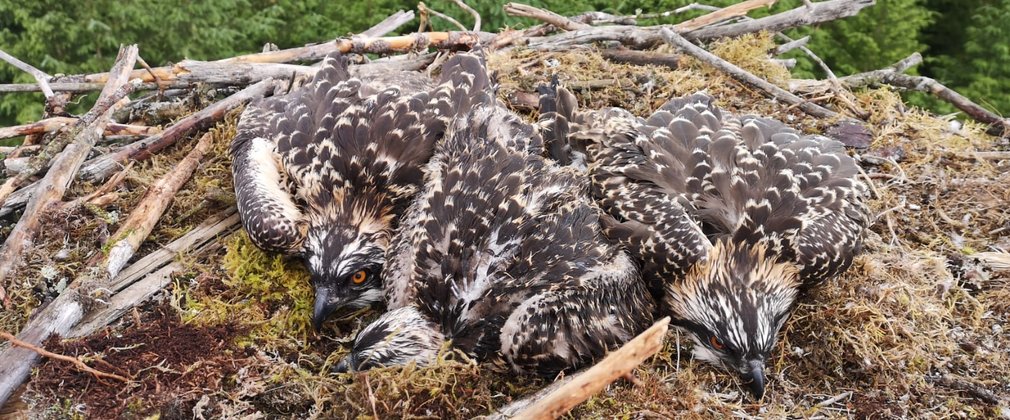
(731, 217)
(502, 254)
(324, 171)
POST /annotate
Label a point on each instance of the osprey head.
(398, 337)
(733, 305)
(345, 262)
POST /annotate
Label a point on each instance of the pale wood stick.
(41, 77)
(152, 273)
(819, 12)
(46, 353)
(142, 220)
(55, 123)
(547, 16)
(468, 9)
(427, 10)
(614, 366)
(104, 166)
(67, 309)
(39, 162)
(729, 12)
(63, 172)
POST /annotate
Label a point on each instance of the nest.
(915, 328)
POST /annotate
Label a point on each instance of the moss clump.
(270, 292)
(751, 53)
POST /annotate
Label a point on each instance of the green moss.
(267, 291)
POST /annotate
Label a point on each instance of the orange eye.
(359, 277)
(716, 344)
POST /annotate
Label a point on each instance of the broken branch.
(614, 366)
(55, 123)
(729, 12)
(144, 217)
(801, 16)
(40, 77)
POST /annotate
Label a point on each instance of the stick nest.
(916, 305)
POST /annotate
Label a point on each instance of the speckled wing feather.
(507, 254)
(749, 178)
(631, 172)
(263, 191)
(340, 146)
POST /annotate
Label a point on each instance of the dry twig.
(40, 77)
(745, 77)
(46, 353)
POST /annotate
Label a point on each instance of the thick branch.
(104, 166)
(931, 86)
(64, 170)
(801, 16)
(641, 58)
(729, 12)
(547, 16)
(743, 76)
(55, 123)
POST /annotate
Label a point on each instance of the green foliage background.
(966, 42)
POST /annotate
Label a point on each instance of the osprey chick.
(731, 217)
(502, 254)
(324, 171)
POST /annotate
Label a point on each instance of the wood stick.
(819, 12)
(547, 16)
(55, 123)
(791, 45)
(104, 166)
(101, 191)
(642, 37)
(81, 366)
(107, 103)
(427, 10)
(63, 312)
(615, 365)
(468, 9)
(145, 216)
(40, 77)
(63, 172)
(743, 76)
(189, 73)
(1000, 125)
(641, 58)
(729, 12)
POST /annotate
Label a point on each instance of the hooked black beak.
(323, 307)
(755, 378)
